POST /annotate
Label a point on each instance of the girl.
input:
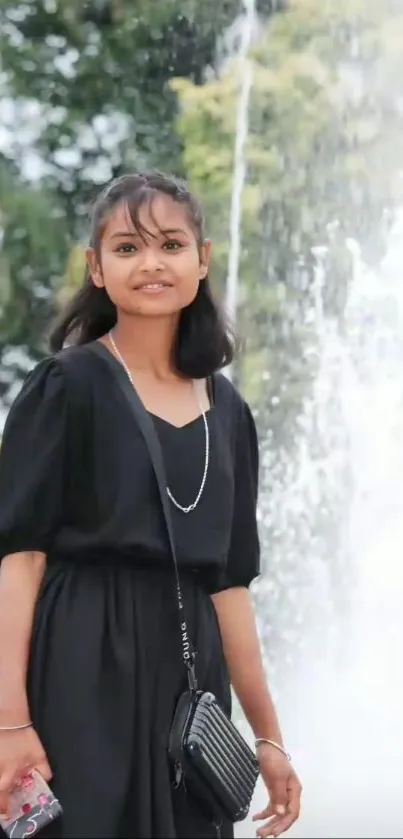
(90, 655)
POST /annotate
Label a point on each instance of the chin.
(156, 309)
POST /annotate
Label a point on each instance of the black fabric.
(74, 467)
(105, 668)
(105, 676)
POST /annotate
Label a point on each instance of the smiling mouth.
(153, 286)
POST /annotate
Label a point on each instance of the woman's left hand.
(284, 788)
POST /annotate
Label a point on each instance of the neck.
(146, 344)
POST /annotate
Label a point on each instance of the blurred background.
(286, 117)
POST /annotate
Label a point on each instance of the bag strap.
(147, 428)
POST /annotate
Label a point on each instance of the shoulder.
(227, 396)
(235, 410)
(230, 399)
(40, 400)
(54, 377)
(44, 381)
(75, 362)
(79, 368)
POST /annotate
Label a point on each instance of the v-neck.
(185, 425)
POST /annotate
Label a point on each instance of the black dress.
(105, 665)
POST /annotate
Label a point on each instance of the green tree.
(30, 270)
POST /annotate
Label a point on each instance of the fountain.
(247, 23)
(336, 510)
(343, 714)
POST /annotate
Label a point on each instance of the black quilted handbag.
(211, 757)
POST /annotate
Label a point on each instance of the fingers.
(7, 782)
(266, 828)
(284, 822)
(269, 828)
(280, 816)
(274, 812)
(44, 769)
(264, 814)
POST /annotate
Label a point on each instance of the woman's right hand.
(20, 751)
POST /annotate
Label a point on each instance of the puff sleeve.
(32, 455)
(243, 561)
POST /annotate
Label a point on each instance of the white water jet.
(344, 721)
(245, 69)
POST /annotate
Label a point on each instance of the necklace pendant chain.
(192, 506)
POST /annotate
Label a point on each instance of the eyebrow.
(130, 235)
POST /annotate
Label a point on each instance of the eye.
(126, 248)
(172, 245)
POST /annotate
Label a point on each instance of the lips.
(153, 285)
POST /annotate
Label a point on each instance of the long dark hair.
(204, 342)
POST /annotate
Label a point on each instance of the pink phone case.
(32, 806)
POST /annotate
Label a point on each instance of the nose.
(151, 259)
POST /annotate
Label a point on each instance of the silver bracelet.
(16, 727)
(260, 740)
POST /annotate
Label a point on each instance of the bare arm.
(31, 508)
(242, 652)
(20, 578)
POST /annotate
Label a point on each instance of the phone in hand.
(32, 806)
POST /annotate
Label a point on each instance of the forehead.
(159, 214)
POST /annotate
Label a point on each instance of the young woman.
(90, 655)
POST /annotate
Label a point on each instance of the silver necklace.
(193, 506)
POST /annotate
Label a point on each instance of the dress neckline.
(185, 425)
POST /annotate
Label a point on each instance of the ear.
(205, 257)
(94, 268)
